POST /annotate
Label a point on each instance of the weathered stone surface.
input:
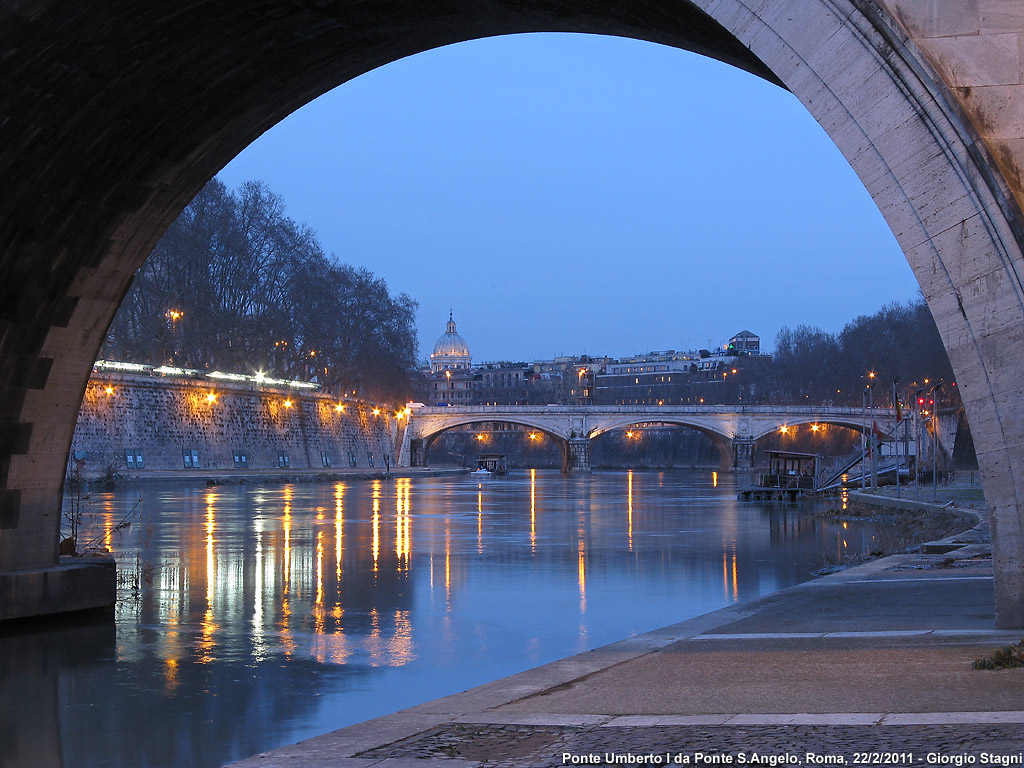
(72, 585)
(939, 18)
(163, 417)
(979, 60)
(1000, 16)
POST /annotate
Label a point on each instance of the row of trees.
(238, 286)
(900, 341)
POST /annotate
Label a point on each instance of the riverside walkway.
(873, 659)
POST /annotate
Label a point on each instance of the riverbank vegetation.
(897, 531)
(236, 285)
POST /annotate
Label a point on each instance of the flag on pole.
(878, 434)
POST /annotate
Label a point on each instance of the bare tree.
(237, 285)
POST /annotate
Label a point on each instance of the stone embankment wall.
(182, 424)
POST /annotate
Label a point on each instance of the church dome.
(450, 351)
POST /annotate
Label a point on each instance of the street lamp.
(871, 437)
(918, 402)
(935, 441)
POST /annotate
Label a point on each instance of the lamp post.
(935, 441)
(863, 438)
(874, 447)
(917, 444)
(896, 430)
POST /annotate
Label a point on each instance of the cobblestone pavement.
(518, 746)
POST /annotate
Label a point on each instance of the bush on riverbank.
(1003, 658)
(900, 531)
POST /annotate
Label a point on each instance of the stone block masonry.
(133, 424)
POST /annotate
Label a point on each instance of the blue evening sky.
(575, 193)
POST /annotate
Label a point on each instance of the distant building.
(449, 378)
(665, 377)
(653, 362)
(450, 351)
(745, 342)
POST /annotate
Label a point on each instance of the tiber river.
(268, 614)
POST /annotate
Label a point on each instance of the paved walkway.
(874, 659)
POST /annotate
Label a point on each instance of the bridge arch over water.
(834, 421)
(722, 441)
(116, 114)
(418, 450)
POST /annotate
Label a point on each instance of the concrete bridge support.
(579, 454)
(743, 453)
(417, 453)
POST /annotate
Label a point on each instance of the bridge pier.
(742, 453)
(579, 454)
(417, 453)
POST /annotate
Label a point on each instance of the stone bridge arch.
(836, 421)
(116, 114)
(429, 432)
(721, 439)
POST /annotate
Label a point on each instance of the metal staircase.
(830, 475)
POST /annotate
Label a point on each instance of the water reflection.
(249, 637)
(629, 494)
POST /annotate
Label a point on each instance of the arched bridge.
(733, 430)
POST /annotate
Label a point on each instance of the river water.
(268, 614)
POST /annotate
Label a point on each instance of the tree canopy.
(900, 341)
(238, 286)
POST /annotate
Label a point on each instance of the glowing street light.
(376, 411)
(287, 403)
(109, 391)
(784, 430)
(211, 397)
(339, 408)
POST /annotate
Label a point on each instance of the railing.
(784, 410)
(831, 473)
(801, 482)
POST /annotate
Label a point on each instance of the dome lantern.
(451, 351)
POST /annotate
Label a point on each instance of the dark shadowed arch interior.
(115, 115)
(721, 443)
(559, 441)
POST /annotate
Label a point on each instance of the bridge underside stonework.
(113, 115)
